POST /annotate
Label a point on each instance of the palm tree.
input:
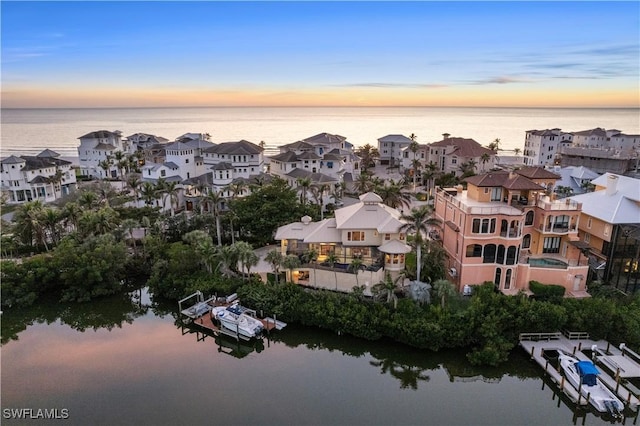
(484, 158)
(149, 193)
(128, 225)
(106, 165)
(413, 147)
(246, 256)
(394, 194)
(275, 259)
(134, 182)
(291, 262)
(418, 222)
(88, 200)
(51, 220)
(368, 154)
(495, 145)
(354, 266)
(386, 289)
(171, 192)
(317, 191)
(429, 174)
(363, 183)
(332, 259)
(311, 256)
(28, 224)
(517, 151)
(71, 214)
(444, 290)
(303, 187)
(214, 198)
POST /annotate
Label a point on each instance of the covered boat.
(235, 319)
(583, 375)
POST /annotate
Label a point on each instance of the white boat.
(235, 320)
(583, 375)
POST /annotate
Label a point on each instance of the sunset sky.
(111, 54)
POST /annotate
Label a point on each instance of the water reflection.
(105, 313)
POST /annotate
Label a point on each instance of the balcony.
(557, 228)
(547, 203)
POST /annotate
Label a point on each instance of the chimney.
(459, 189)
(612, 184)
(446, 135)
(305, 220)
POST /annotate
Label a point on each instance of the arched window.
(500, 258)
(526, 241)
(528, 220)
(489, 255)
(511, 255)
(507, 279)
(498, 276)
(504, 226)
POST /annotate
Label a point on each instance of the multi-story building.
(542, 146)
(43, 177)
(610, 228)
(233, 161)
(504, 228)
(322, 158)
(451, 153)
(368, 230)
(96, 148)
(391, 147)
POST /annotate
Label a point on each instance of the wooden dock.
(536, 344)
(199, 314)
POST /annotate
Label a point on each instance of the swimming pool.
(547, 262)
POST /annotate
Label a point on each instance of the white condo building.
(541, 146)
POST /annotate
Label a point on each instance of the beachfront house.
(609, 230)
(542, 146)
(368, 231)
(391, 148)
(44, 177)
(451, 154)
(95, 151)
(508, 228)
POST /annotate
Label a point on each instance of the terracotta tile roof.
(537, 173)
(464, 147)
(503, 179)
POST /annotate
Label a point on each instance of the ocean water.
(29, 131)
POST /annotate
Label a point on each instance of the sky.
(420, 53)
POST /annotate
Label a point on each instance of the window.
(163, 173)
(607, 229)
(587, 238)
(489, 255)
(454, 161)
(512, 252)
(360, 252)
(498, 276)
(474, 250)
(589, 223)
(401, 238)
(483, 226)
(528, 219)
(501, 252)
(496, 194)
(551, 245)
(186, 161)
(325, 250)
(355, 236)
(507, 279)
(526, 241)
(387, 237)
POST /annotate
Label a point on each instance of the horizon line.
(321, 106)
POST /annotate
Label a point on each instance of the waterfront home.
(504, 228)
(573, 179)
(391, 149)
(542, 146)
(95, 150)
(322, 154)
(610, 228)
(43, 177)
(451, 153)
(368, 231)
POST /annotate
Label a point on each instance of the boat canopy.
(588, 372)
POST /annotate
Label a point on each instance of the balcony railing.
(565, 204)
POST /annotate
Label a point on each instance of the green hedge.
(546, 291)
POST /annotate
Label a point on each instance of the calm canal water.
(125, 361)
